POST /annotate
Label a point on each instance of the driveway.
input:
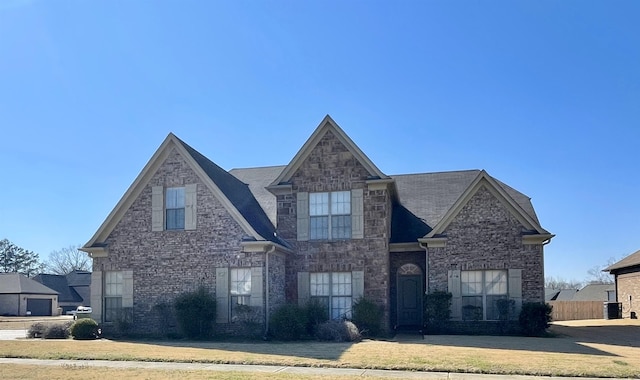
(618, 332)
(12, 334)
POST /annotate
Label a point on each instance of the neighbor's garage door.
(39, 306)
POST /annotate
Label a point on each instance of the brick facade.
(484, 236)
(332, 167)
(168, 263)
(628, 291)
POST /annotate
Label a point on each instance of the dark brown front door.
(410, 300)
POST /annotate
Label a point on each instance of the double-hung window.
(334, 291)
(113, 287)
(240, 288)
(174, 208)
(330, 215)
(481, 291)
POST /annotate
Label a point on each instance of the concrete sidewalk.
(279, 369)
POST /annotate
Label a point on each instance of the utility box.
(612, 310)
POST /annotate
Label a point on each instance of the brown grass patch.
(586, 348)
(35, 372)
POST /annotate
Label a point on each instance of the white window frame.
(239, 288)
(175, 202)
(488, 285)
(113, 291)
(330, 208)
(334, 290)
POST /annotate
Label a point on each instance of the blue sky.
(544, 95)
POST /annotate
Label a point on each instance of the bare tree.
(67, 260)
(560, 283)
(597, 276)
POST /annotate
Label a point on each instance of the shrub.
(437, 311)
(471, 313)
(196, 312)
(367, 316)
(535, 318)
(250, 320)
(288, 322)
(85, 328)
(36, 330)
(57, 331)
(123, 321)
(338, 331)
(316, 313)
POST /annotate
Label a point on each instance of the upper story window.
(174, 208)
(330, 215)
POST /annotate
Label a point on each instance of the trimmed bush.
(196, 312)
(437, 311)
(316, 313)
(84, 329)
(58, 331)
(288, 322)
(250, 320)
(535, 318)
(36, 330)
(367, 316)
(338, 331)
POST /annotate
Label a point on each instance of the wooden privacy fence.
(572, 310)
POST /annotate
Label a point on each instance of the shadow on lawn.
(566, 339)
(563, 345)
(627, 336)
(303, 349)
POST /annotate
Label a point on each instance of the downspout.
(426, 267)
(271, 249)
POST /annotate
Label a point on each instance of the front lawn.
(560, 356)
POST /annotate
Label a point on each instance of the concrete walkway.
(280, 369)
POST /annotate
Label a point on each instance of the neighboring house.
(20, 296)
(73, 288)
(627, 284)
(596, 292)
(328, 226)
(559, 294)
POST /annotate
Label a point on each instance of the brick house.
(329, 226)
(627, 284)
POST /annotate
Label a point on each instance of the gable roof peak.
(327, 125)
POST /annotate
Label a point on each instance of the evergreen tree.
(14, 259)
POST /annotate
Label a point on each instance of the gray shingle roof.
(59, 284)
(566, 295)
(14, 283)
(258, 179)
(630, 261)
(239, 195)
(424, 198)
(79, 278)
(430, 195)
(594, 292)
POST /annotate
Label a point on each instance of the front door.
(410, 300)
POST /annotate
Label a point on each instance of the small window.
(333, 290)
(175, 208)
(240, 288)
(113, 287)
(330, 215)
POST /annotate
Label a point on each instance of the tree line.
(15, 259)
(595, 275)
